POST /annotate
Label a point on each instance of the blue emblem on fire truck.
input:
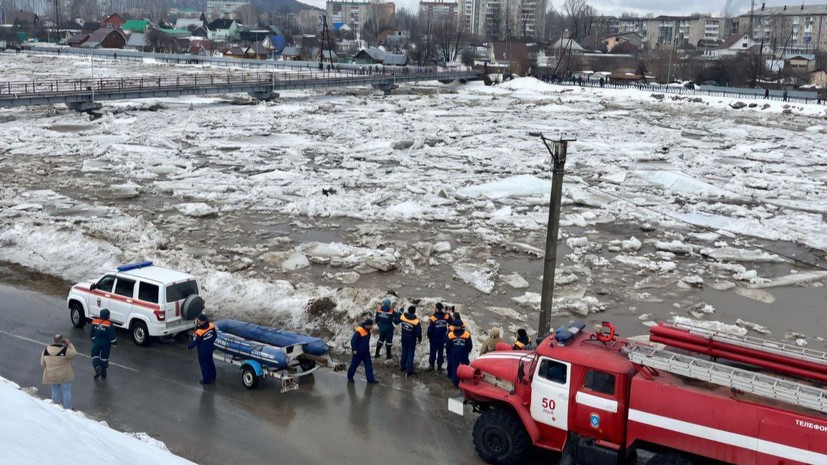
(594, 420)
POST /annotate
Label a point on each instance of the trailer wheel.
(499, 437)
(669, 459)
(76, 315)
(249, 378)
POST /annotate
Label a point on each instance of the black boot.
(388, 347)
(378, 349)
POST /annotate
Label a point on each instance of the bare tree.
(449, 35)
(581, 17)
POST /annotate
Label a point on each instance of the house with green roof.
(136, 25)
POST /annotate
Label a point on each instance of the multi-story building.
(497, 19)
(356, 13)
(437, 9)
(794, 28)
(224, 8)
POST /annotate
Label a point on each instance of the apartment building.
(794, 28)
(356, 13)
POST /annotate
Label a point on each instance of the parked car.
(147, 300)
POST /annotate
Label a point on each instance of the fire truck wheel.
(668, 459)
(499, 437)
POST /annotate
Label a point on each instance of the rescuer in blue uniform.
(459, 347)
(386, 317)
(437, 332)
(204, 338)
(411, 336)
(102, 334)
(360, 346)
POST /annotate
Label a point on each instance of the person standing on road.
(360, 346)
(411, 336)
(386, 317)
(459, 347)
(56, 361)
(204, 339)
(103, 338)
(490, 344)
(437, 331)
(522, 341)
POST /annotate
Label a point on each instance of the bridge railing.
(230, 80)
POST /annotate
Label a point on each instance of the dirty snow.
(182, 182)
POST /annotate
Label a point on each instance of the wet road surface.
(155, 390)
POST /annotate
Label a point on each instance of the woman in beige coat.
(56, 361)
(490, 344)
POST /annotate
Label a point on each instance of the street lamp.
(557, 148)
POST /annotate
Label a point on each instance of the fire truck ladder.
(763, 345)
(735, 378)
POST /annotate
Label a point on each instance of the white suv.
(145, 299)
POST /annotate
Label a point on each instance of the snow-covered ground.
(305, 212)
(35, 432)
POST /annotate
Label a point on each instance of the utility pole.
(671, 52)
(557, 148)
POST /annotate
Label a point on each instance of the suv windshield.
(181, 291)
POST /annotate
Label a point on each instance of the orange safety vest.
(413, 322)
(446, 318)
(465, 335)
(362, 331)
(519, 345)
(98, 321)
(201, 331)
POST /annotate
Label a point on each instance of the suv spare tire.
(192, 307)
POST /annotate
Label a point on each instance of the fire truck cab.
(600, 399)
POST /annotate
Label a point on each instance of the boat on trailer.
(263, 351)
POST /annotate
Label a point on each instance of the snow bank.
(36, 431)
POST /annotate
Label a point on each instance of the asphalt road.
(155, 390)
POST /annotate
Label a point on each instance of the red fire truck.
(690, 396)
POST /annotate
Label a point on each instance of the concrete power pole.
(557, 148)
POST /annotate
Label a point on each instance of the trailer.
(261, 351)
(689, 396)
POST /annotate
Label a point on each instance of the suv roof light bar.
(134, 266)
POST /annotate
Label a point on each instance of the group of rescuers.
(446, 334)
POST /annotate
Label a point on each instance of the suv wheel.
(76, 315)
(499, 437)
(140, 335)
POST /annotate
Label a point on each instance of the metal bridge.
(84, 94)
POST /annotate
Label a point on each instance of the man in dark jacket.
(204, 339)
(360, 346)
(386, 317)
(103, 337)
(437, 332)
(411, 336)
(459, 346)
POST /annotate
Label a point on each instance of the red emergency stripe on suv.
(120, 298)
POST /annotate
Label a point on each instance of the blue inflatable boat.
(267, 345)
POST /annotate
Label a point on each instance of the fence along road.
(260, 85)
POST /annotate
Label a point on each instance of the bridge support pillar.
(265, 95)
(84, 107)
(386, 88)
